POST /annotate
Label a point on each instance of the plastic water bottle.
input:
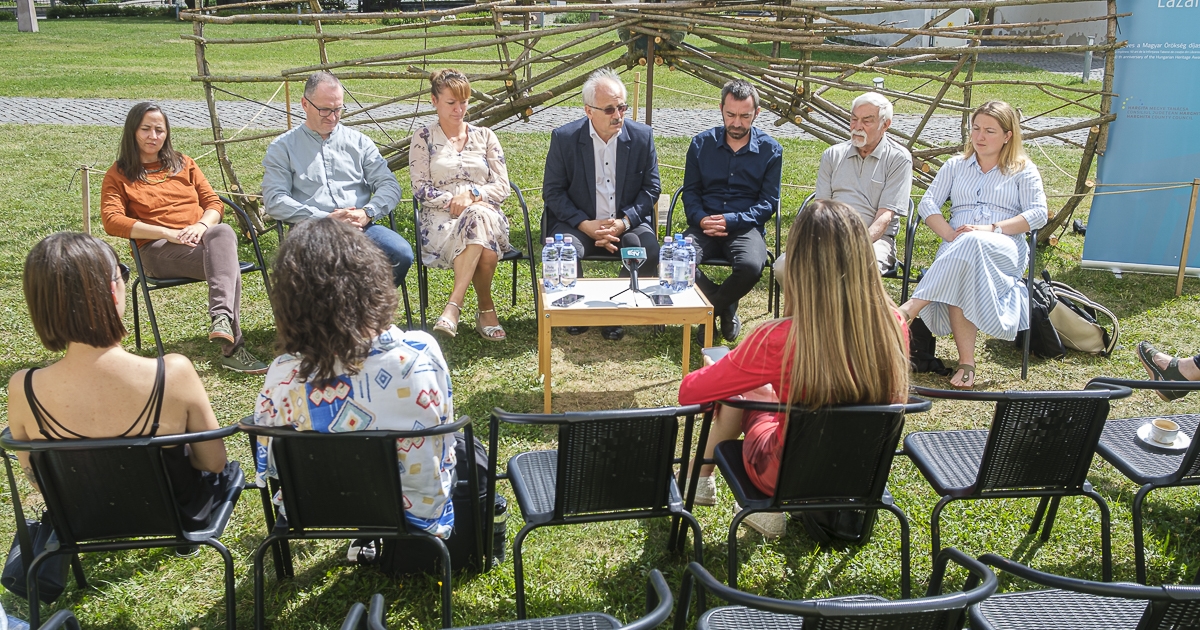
(550, 266)
(567, 270)
(693, 254)
(665, 258)
(680, 267)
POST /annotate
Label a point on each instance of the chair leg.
(446, 581)
(31, 587)
(514, 287)
(77, 568)
(732, 558)
(407, 304)
(1050, 514)
(230, 602)
(260, 617)
(1105, 532)
(905, 552)
(153, 320)
(685, 601)
(698, 543)
(1038, 514)
(1139, 551)
(519, 568)
(137, 328)
(935, 528)
(422, 293)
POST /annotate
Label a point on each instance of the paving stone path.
(668, 122)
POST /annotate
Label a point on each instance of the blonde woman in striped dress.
(996, 196)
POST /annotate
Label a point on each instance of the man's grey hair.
(603, 75)
(740, 90)
(876, 99)
(317, 79)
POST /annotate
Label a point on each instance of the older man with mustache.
(871, 173)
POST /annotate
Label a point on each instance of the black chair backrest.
(837, 454)
(1038, 443)
(99, 489)
(342, 480)
(935, 611)
(608, 464)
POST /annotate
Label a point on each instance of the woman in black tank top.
(75, 291)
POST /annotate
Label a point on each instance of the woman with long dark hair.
(344, 367)
(159, 197)
(840, 341)
(75, 291)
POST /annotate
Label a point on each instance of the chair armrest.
(1102, 589)
(980, 574)
(247, 425)
(1100, 390)
(1154, 385)
(659, 602)
(8, 443)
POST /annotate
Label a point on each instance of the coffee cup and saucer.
(1163, 435)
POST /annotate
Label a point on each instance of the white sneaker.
(706, 491)
(771, 525)
(362, 551)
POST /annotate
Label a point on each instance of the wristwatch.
(997, 229)
(475, 194)
(625, 220)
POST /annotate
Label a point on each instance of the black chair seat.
(514, 254)
(1118, 445)
(215, 526)
(584, 621)
(164, 283)
(741, 617)
(948, 459)
(534, 476)
(1054, 608)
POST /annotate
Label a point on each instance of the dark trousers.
(586, 246)
(746, 251)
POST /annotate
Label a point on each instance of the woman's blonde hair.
(1012, 154)
(453, 81)
(846, 343)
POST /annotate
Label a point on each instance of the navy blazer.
(569, 183)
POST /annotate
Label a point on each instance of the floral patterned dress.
(438, 173)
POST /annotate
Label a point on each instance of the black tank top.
(195, 492)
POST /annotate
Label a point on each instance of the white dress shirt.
(606, 174)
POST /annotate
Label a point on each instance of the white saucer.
(1181, 443)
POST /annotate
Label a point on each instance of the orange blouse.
(171, 201)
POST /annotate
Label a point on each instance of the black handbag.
(1043, 338)
(828, 526)
(32, 538)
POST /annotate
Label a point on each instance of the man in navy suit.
(601, 179)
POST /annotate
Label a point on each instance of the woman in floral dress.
(460, 180)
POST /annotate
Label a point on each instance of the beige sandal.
(968, 371)
(444, 325)
(491, 333)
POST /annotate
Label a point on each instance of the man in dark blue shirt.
(731, 186)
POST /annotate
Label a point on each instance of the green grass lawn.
(594, 567)
(145, 59)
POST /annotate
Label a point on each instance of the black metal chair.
(855, 612)
(514, 256)
(609, 466)
(280, 226)
(61, 619)
(772, 254)
(833, 458)
(347, 486)
(1151, 469)
(149, 283)
(659, 602)
(908, 278)
(113, 494)
(1084, 605)
(1040, 444)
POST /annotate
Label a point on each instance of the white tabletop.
(599, 292)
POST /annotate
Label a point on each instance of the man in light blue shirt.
(324, 169)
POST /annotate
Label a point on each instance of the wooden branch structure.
(794, 51)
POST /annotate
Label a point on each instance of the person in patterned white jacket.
(345, 367)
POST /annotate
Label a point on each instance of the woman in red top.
(840, 341)
(159, 197)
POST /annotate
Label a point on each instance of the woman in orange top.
(159, 197)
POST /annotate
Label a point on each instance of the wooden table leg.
(708, 332)
(544, 359)
(687, 348)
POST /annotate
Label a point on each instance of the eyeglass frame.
(123, 271)
(611, 109)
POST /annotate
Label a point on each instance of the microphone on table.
(632, 257)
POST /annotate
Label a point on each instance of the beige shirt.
(606, 174)
(883, 179)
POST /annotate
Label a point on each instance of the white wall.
(1072, 33)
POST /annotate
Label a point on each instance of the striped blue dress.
(980, 272)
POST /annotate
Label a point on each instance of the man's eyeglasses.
(326, 113)
(123, 269)
(610, 110)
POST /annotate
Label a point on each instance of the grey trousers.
(214, 260)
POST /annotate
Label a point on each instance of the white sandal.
(491, 333)
(444, 325)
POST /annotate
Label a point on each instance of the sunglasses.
(123, 269)
(610, 110)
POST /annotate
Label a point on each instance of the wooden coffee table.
(598, 308)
